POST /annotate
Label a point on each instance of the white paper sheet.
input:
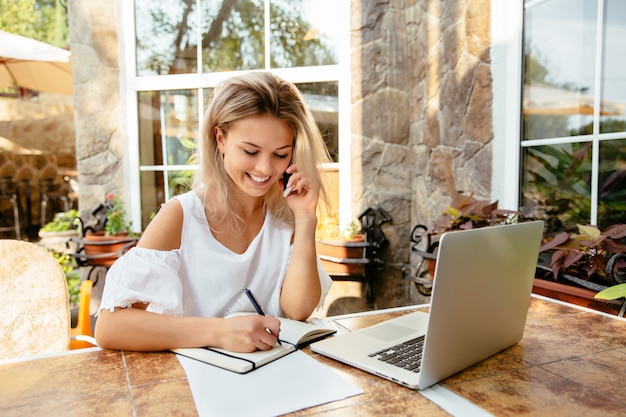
(291, 383)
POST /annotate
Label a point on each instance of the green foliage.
(63, 222)
(73, 277)
(43, 20)
(612, 293)
(115, 217)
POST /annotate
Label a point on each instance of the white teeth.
(259, 179)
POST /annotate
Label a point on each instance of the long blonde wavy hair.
(256, 93)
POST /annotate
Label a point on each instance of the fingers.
(250, 333)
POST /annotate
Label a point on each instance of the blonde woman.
(240, 227)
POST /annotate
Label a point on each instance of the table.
(571, 361)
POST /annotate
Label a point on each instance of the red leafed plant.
(590, 250)
(467, 213)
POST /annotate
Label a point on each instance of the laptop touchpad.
(388, 332)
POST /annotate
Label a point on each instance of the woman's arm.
(301, 289)
(140, 330)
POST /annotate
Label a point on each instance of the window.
(181, 50)
(573, 127)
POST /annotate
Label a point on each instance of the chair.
(82, 334)
(8, 192)
(35, 316)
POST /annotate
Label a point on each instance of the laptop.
(480, 299)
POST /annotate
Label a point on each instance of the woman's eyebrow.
(254, 145)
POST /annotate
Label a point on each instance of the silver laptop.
(480, 299)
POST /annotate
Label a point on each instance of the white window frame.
(131, 84)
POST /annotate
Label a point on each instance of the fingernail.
(287, 191)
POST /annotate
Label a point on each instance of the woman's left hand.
(300, 193)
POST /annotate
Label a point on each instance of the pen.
(259, 310)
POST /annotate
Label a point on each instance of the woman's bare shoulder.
(164, 231)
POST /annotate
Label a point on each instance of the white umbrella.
(35, 65)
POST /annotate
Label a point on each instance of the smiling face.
(257, 150)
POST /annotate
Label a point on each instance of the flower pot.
(103, 250)
(337, 255)
(575, 295)
(58, 241)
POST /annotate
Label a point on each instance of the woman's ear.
(219, 137)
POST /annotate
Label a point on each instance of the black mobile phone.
(286, 177)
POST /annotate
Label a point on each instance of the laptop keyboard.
(406, 355)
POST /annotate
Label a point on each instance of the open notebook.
(293, 335)
(479, 303)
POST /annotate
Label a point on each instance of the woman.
(236, 229)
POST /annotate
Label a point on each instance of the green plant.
(72, 276)
(115, 217)
(589, 250)
(63, 222)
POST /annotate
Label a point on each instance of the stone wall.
(99, 141)
(421, 116)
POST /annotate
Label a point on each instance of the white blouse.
(203, 278)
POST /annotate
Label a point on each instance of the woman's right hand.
(249, 333)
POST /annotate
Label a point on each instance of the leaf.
(616, 231)
(571, 258)
(589, 231)
(612, 293)
(556, 241)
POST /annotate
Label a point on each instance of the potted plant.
(103, 247)
(464, 213)
(55, 234)
(334, 244)
(580, 266)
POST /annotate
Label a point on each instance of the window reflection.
(302, 33)
(168, 122)
(613, 106)
(166, 36)
(612, 183)
(233, 35)
(556, 184)
(559, 52)
(322, 100)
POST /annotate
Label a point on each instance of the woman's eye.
(282, 156)
(249, 152)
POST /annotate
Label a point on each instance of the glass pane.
(233, 35)
(168, 122)
(556, 184)
(322, 99)
(612, 183)
(613, 104)
(559, 52)
(303, 33)
(166, 36)
(157, 187)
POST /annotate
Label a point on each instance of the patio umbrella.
(35, 65)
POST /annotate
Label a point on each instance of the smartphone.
(285, 180)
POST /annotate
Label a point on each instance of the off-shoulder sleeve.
(145, 276)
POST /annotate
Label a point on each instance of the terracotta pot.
(335, 255)
(571, 294)
(103, 250)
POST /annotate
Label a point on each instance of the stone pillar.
(421, 116)
(97, 114)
